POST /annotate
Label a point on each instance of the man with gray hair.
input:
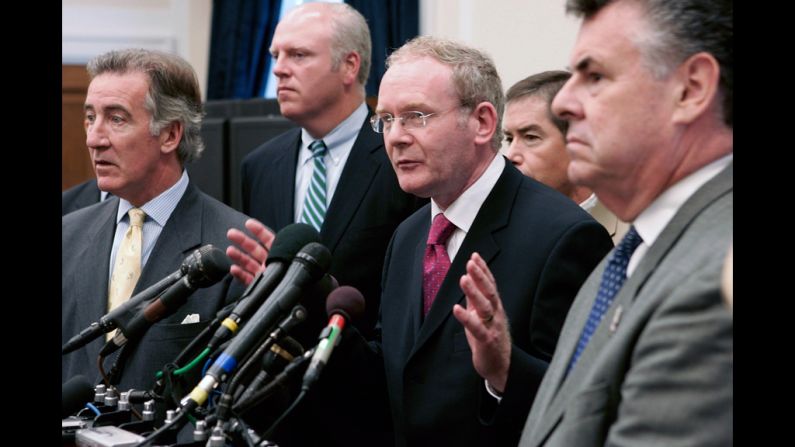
(143, 118)
(439, 110)
(645, 356)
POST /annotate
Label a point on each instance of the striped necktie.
(315, 200)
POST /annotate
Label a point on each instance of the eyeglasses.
(408, 120)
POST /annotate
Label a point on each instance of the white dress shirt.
(339, 143)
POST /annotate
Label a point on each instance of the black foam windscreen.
(290, 240)
(211, 265)
(75, 393)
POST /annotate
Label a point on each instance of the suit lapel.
(95, 252)
(493, 216)
(181, 234)
(357, 175)
(707, 194)
(283, 193)
(413, 302)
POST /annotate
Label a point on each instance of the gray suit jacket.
(80, 196)
(658, 370)
(87, 237)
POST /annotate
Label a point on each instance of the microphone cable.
(240, 408)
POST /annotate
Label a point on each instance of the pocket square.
(190, 318)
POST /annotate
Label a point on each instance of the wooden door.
(76, 163)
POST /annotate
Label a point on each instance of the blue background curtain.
(392, 23)
(241, 35)
(242, 31)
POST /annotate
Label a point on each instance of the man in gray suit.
(645, 354)
(142, 119)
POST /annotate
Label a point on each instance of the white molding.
(80, 49)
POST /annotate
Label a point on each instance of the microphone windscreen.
(316, 257)
(345, 299)
(211, 267)
(75, 393)
(291, 239)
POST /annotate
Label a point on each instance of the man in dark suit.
(80, 196)
(322, 61)
(322, 71)
(142, 118)
(645, 354)
(439, 108)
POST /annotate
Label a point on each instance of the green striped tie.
(315, 201)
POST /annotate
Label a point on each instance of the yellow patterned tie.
(127, 267)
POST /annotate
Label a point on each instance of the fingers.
(261, 232)
(241, 275)
(484, 268)
(481, 288)
(471, 322)
(243, 262)
(248, 246)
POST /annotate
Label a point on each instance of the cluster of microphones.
(246, 351)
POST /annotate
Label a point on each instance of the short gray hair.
(678, 30)
(475, 77)
(350, 33)
(173, 95)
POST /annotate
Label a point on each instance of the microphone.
(343, 304)
(307, 267)
(273, 362)
(280, 355)
(213, 267)
(75, 393)
(286, 244)
(109, 321)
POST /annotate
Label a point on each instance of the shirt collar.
(651, 221)
(465, 208)
(589, 203)
(158, 209)
(345, 131)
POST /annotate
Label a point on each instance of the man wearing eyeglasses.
(333, 174)
(439, 110)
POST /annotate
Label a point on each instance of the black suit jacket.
(540, 246)
(87, 239)
(367, 206)
(79, 196)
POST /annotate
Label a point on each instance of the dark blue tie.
(612, 279)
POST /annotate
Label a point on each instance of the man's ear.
(350, 66)
(486, 115)
(170, 136)
(697, 88)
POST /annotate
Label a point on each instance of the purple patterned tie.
(435, 263)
